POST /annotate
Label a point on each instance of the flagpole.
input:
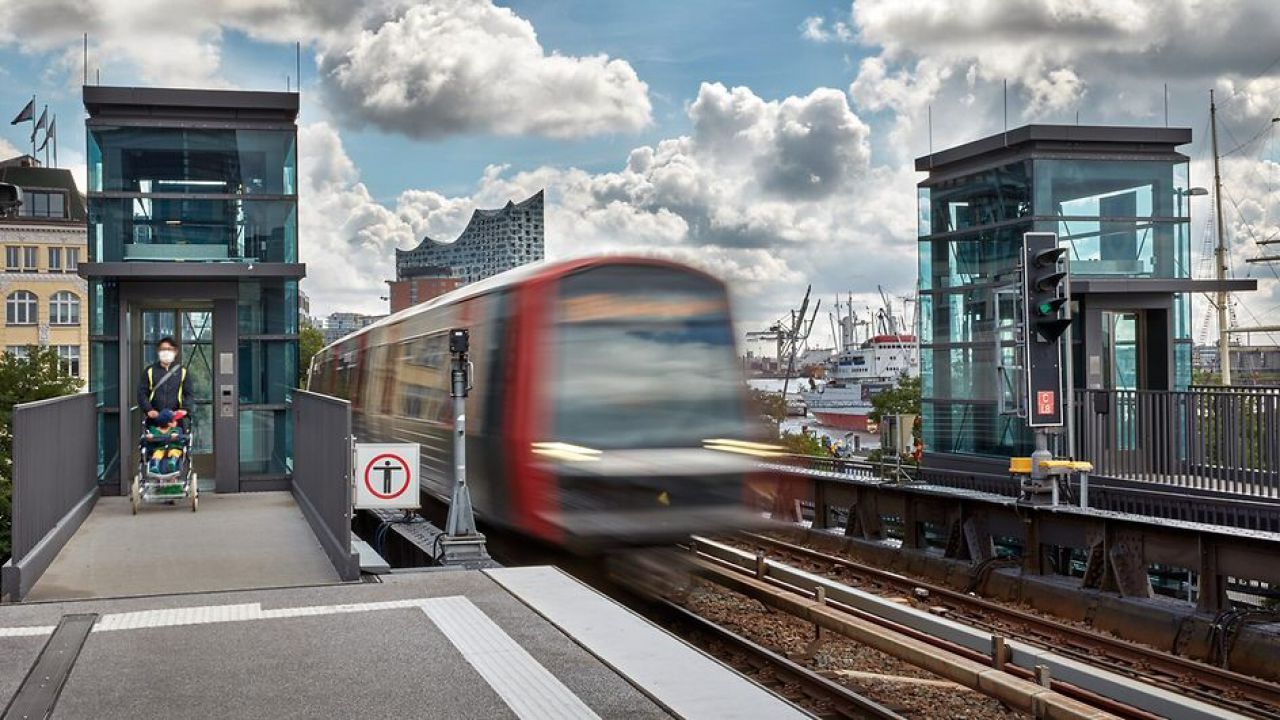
(55, 141)
(33, 127)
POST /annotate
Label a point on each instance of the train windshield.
(645, 358)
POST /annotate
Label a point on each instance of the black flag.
(27, 113)
(40, 124)
(52, 132)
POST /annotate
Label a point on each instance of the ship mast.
(1220, 254)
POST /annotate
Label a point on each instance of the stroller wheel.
(135, 492)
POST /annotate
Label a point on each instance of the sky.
(769, 142)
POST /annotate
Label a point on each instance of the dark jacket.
(173, 394)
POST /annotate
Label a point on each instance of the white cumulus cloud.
(460, 66)
(425, 68)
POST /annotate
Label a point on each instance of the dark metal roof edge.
(190, 270)
(1102, 134)
(1085, 285)
(102, 95)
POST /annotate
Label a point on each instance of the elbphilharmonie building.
(493, 241)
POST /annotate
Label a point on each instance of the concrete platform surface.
(240, 541)
(449, 644)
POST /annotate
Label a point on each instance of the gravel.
(893, 682)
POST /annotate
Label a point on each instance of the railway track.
(1232, 691)
(824, 698)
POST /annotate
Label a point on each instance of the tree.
(769, 404)
(904, 399)
(803, 443)
(39, 376)
(310, 342)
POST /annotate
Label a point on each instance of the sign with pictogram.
(386, 475)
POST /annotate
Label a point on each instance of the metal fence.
(55, 483)
(321, 474)
(1218, 439)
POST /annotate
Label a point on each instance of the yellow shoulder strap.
(182, 378)
(151, 383)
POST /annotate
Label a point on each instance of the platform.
(503, 643)
(236, 541)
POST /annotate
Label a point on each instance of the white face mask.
(167, 356)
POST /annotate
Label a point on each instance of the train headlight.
(744, 447)
(566, 452)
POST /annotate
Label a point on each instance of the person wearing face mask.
(164, 385)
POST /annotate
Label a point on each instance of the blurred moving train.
(608, 406)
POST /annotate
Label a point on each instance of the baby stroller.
(169, 483)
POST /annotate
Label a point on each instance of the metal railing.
(1216, 439)
(55, 483)
(321, 474)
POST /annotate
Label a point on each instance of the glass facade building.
(192, 213)
(1118, 200)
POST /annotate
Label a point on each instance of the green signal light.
(1045, 308)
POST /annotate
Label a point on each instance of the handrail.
(321, 474)
(1206, 438)
(55, 483)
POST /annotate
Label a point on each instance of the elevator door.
(192, 329)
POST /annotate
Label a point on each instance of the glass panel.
(191, 160)
(104, 373)
(268, 307)
(974, 258)
(197, 356)
(105, 307)
(108, 448)
(186, 229)
(265, 442)
(157, 324)
(268, 370)
(1110, 188)
(984, 198)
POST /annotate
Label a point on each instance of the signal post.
(1045, 317)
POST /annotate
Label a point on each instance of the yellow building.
(44, 242)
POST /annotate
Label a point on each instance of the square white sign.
(386, 475)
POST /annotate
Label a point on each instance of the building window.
(55, 259)
(73, 259)
(30, 258)
(64, 309)
(21, 352)
(20, 308)
(43, 204)
(69, 357)
(13, 259)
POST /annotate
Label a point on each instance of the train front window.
(645, 358)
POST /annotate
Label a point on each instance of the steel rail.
(1008, 684)
(836, 700)
(1076, 678)
(1126, 656)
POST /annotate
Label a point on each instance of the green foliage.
(804, 444)
(39, 376)
(310, 342)
(903, 399)
(769, 404)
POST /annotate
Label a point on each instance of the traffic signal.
(1045, 294)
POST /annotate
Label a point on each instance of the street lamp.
(1188, 192)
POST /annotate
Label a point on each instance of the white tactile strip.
(528, 688)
